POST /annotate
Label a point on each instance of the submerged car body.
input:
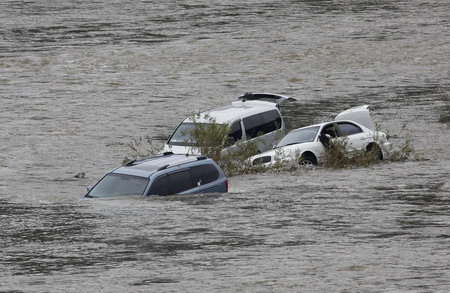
(164, 174)
(307, 144)
(252, 117)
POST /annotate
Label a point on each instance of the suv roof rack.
(130, 163)
(163, 167)
(134, 162)
(199, 158)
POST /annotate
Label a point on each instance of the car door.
(328, 132)
(357, 138)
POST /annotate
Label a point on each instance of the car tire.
(307, 161)
(376, 150)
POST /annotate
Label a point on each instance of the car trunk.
(358, 114)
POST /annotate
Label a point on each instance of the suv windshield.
(119, 185)
(299, 136)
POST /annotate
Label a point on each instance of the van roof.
(147, 166)
(232, 112)
(237, 109)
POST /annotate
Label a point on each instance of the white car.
(254, 117)
(307, 144)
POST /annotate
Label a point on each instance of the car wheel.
(375, 150)
(307, 161)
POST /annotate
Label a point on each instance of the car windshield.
(119, 185)
(299, 136)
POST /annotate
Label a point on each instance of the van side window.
(159, 187)
(348, 129)
(180, 181)
(236, 131)
(254, 126)
(272, 120)
(204, 174)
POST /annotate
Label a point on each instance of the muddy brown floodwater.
(79, 80)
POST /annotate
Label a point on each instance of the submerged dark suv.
(163, 174)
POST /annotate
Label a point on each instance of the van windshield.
(182, 136)
(113, 185)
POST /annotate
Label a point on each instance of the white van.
(253, 117)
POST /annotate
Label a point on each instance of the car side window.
(254, 126)
(180, 181)
(236, 131)
(346, 129)
(204, 174)
(272, 120)
(330, 130)
(159, 187)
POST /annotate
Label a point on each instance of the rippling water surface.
(80, 79)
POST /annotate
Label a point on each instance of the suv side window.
(159, 187)
(180, 181)
(272, 120)
(254, 126)
(348, 129)
(204, 174)
(236, 131)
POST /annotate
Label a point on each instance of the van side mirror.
(89, 188)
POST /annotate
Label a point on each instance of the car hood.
(286, 152)
(358, 114)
